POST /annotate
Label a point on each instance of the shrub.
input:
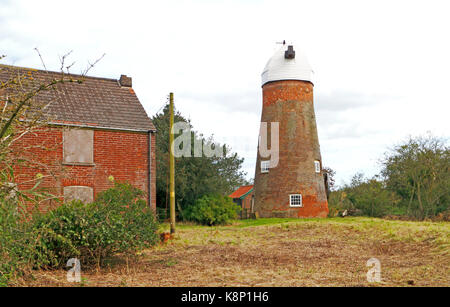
(213, 210)
(363, 196)
(119, 221)
(338, 203)
(370, 196)
(9, 230)
(17, 238)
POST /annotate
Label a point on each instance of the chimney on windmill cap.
(289, 53)
(125, 81)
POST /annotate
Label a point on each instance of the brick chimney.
(125, 81)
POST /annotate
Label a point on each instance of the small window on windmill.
(295, 200)
(317, 166)
(265, 166)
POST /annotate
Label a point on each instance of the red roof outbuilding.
(242, 191)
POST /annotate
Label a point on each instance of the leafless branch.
(92, 65)
(63, 60)
(42, 60)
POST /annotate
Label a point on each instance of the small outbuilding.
(245, 199)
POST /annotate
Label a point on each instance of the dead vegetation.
(283, 252)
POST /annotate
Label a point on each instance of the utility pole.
(172, 169)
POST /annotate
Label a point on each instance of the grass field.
(283, 252)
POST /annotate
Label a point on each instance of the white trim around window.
(265, 165)
(295, 200)
(317, 166)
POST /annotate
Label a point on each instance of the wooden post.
(172, 169)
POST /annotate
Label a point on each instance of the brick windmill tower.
(290, 183)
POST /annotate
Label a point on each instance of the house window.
(317, 166)
(81, 193)
(295, 200)
(265, 166)
(78, 146)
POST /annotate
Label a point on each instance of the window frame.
(317, 166)
(265, 169)
(291, 198)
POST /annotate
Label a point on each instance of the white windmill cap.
(287, 64)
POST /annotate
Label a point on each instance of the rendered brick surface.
(291, 104)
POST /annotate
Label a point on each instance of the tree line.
(414, 181)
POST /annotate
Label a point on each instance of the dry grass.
(284, 252)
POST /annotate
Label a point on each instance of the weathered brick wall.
(123, 155)
(247, 201)
(291, 104)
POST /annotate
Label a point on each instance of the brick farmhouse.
(97, 130)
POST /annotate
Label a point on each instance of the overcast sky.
(381, 67)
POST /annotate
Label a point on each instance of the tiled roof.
(242, 191)
(97, 102)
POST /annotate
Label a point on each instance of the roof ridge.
(58, 72)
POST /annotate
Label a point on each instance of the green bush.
(9, 241)
(338, 203)
(371, 196)
(363, 196)
(17, 241)
(118, 222)
(212, 210)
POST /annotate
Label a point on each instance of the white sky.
(381, 67)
